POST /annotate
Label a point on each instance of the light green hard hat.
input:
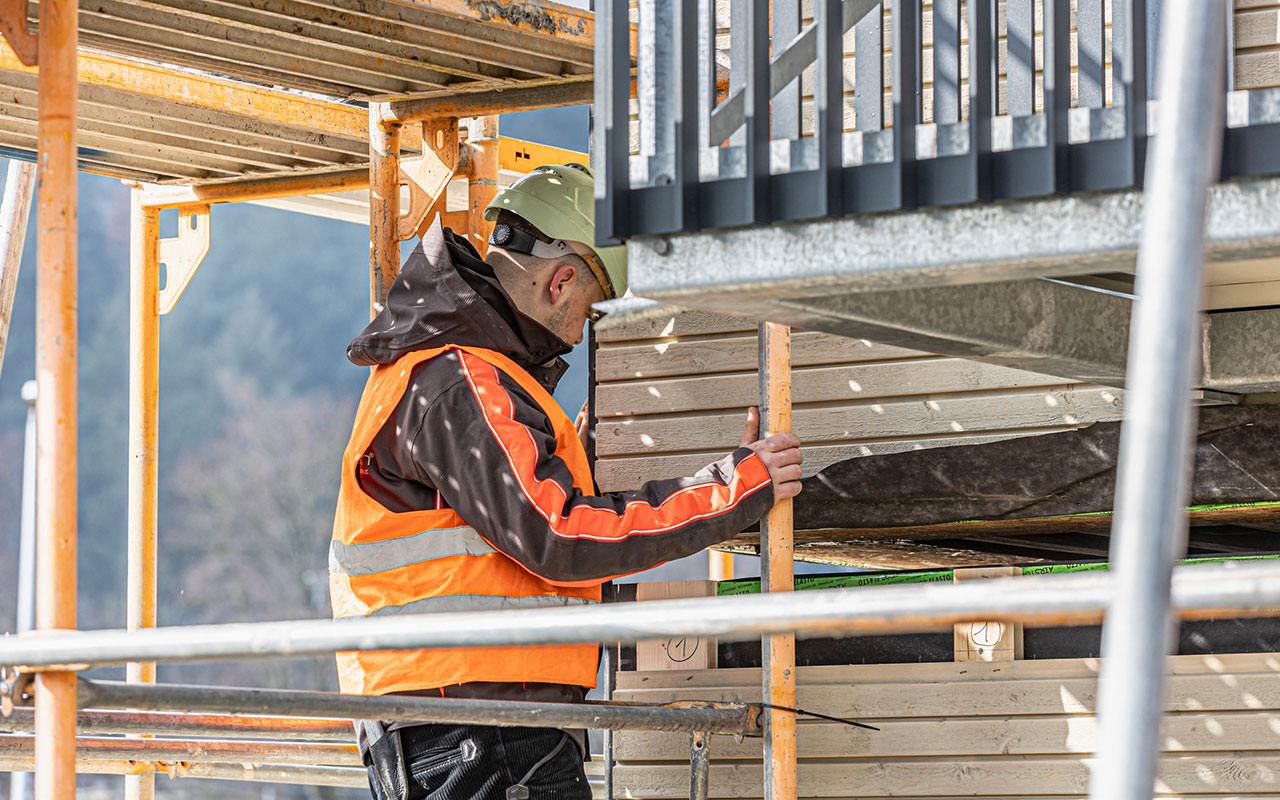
(559, 200)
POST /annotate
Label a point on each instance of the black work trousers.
(479, 762)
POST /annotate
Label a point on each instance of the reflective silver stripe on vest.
(479, 602)
(368, 558)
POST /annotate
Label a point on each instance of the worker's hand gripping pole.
(778, 574)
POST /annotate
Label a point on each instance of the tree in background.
(252, 515)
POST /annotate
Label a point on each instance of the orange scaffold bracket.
(13, 24)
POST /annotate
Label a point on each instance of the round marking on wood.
(986, 634)
(681, 648)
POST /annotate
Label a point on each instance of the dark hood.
(446, 294)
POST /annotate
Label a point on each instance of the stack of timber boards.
(914, 460)
(1021, 729)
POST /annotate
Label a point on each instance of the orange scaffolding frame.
(264, 144)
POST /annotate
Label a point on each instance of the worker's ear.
(561, 280)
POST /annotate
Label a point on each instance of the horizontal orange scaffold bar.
(256, 189)
(515, 155)
(201, 750)
(214, 93)
(295, 774)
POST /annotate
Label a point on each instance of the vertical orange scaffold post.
(482, 140)
(384, 208)
(777, 569)
(144, 395)
(55, 692)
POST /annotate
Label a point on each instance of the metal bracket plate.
(183, 255)
(428, 175)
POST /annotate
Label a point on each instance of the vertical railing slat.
(1057, 87)
(1091, 53)
(739, 55)
(868, 86)
(906, 95)
(828, 98)
(982, 91)
(786, 103)
(613, 91)
(756, 116)
(1021, 70)
(946, 61)
(685, 117)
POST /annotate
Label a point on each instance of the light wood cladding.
(672, 394)
(977, 730)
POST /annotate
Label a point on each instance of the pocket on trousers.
(431, 768)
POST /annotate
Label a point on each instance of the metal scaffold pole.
(56, 347)
(20, 784)
(1200, 592)
(144, 395)
(1149, 532)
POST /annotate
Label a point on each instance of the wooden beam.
(777, 570)
(204, 91)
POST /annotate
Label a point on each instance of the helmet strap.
(516, 240)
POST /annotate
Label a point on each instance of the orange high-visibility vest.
(383, 563)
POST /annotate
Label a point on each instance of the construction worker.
(466, 487)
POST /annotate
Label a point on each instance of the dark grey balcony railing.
(747, 156)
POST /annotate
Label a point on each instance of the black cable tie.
(819, 716)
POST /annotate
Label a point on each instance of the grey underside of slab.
(975, 281)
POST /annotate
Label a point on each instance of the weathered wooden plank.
(613, 474)
(922, 417)
(820, 384)
(1257, 28)
(1038, 777)
(1265, 517)
(882, 554)
(1243, 295)
(1242, 4)
(980, 689)
(1257, 70)
(1236, 664)
(956, 738)
(670, 357)
(679, 323)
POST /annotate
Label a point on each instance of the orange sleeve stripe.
(548, 498)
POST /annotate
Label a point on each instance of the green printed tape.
(805, 582)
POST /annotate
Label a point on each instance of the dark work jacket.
(437, 451)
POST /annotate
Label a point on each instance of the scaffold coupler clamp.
(14, 689)
(752, 723)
